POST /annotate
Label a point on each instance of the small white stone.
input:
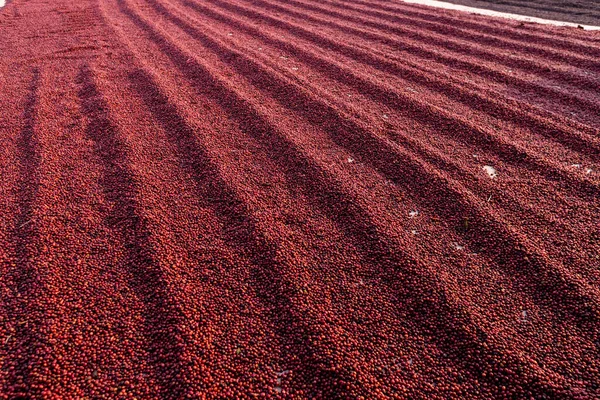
(588, 171)
(576, 165)
(413, 213)
(491, 171)
(350, 159)
(414, 232)
(385, 116)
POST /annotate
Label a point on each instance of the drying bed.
(296, 199)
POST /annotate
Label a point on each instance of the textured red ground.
(288, 199)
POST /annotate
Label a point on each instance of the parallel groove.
(440, 20)
(385, 166)
(292, 200)
(398, 100)
(472, 99)
(532, 31)
(407, 142)
(354, 219)
(423, 38)
(163, 318)
(245, 236)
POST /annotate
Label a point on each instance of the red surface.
(216, 199)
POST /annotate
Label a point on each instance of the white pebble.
(413, 213)
(491, 171)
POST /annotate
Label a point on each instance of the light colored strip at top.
(491, 13)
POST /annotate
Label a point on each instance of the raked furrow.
(296, 199)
